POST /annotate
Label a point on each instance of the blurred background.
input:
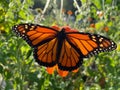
(18, 69)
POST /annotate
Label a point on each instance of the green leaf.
(99, 25)
(97, 3)
(83, 1)
(79, 17)
(109, 1)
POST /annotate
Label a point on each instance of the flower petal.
(56, 27)
(50, 70)
(62, 73)
(76, 70)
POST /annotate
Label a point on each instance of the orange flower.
(76, 70)
(67, 28)
(106, 28)
(50, 70)
(62, 73)
(92, 25)
(56, 27)
(69, 12)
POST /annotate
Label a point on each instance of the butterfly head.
(61, 34)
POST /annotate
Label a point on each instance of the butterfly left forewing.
(90, 44)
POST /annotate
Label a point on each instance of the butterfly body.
(64, 46)
(61, 36)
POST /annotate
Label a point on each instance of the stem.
(103, 4)
(77, 5)
(45, 8)
(61, 7)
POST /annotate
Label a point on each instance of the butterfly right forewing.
(42, 39)
(35, 34)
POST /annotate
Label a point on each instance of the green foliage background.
(18, 69)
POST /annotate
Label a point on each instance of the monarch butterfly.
(64, 47)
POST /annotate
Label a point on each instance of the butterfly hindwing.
(70, 59)
(45, 54)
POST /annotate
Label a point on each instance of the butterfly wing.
(34, 34)
(78, 45)
(75, 46)
(45, 54)
(70, 58)
(42, 39)
(90, 44)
